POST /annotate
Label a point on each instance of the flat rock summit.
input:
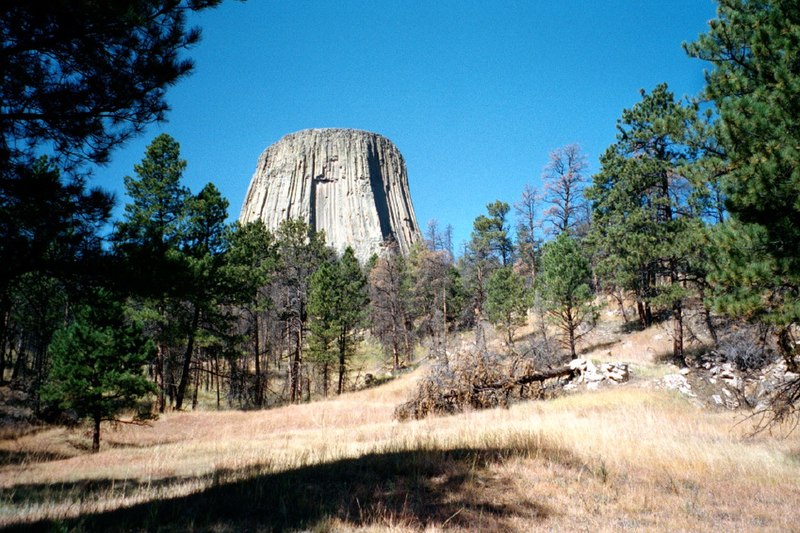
(351, 184)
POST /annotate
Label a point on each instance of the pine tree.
(204, 245)
(251, 265)
(490, 236)
(148, 242)
(300, 253)
(754, 47)
(490, 248)
(506, 301)
(323, 306)
(98, 364)
(51, 234)
(337, 306)
(80, 77)
(643, 220)
(564, 287)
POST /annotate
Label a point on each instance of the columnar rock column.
(351, 184)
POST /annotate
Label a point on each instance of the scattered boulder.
(677, 382)
(587, 372)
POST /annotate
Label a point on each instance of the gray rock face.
(351, 184)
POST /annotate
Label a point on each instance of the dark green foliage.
(489, 248)
(252, 258)
(206, 288)
(563, 283)
(81, 76)
(49, 236)
(151, 233)
(322, 309)
(300, 252)
(645, 216)
(48, 224)
(149, 242)
(506, 301)
(337, 308)
(754, 47)
(251, 268)
(490, 238)
(98, 364)
(174, 245)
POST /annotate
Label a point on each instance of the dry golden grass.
(628, 458)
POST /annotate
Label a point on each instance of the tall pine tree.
(337, 307)
(754, 47)
(642, 217)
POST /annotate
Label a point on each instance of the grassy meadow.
(631, 457)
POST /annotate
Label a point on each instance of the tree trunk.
(788, 349)
(709, 320)
(620, 298)
(640, 311)
(259, 392)
(677, 334)
(533, 377)
(97, 418)
(187, 359)
(295, 387)
(406, 340)
(342, 360)
(19, 364)
(571, 327)
(4, 318)
(216, 365)
(161, 401)
(196, 388)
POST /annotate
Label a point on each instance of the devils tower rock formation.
(352, 184)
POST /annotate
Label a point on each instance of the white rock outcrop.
(351, 184)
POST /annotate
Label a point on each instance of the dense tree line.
(692, 213)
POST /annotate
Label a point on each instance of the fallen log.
(550, 373)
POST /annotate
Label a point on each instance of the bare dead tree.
(527, 225)
(564, 183)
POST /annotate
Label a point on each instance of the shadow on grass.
(599, 346)
(9, 457)
(418, 489)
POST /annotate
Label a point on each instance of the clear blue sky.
(475, 94)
